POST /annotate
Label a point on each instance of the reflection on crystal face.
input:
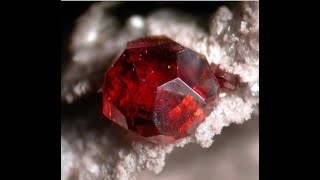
(158, 87)
(177, 106)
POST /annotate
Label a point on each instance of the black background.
(30, 69)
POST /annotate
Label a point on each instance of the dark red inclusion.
(158, 87)
(225, 79)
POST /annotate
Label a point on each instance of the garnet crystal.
(158, 87)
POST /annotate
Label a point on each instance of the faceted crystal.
(177, 107)
(159, 88)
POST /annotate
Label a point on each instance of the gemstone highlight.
(157, 87)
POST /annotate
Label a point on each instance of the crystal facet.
(158, 87)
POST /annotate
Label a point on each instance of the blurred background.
(71, 11)
(234, 155)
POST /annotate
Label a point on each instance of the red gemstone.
(225, 79)
(158, 87)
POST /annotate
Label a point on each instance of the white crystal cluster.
(96, 40)
(233, 42)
